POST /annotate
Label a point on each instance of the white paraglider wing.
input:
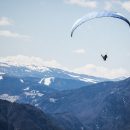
(94, 15)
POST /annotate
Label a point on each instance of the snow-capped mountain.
(29, 77)
(91, 98)
(22, 66)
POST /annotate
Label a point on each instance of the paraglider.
(99, 14)
(104, 57)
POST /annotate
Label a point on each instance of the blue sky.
(41, 28)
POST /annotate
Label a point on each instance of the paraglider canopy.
(99, 14)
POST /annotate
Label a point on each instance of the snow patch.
(27, 70)
(33, 93)
(74, 76)
(4, 64)
(88, 80)
(26, 89)
(41, 81)
(21, 80)
(1, 77)
(83, 79)
(47, 81)
(53, 100)
(9, 98)
(40, 94)
(1, 73)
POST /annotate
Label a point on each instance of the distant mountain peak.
(28, 61)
